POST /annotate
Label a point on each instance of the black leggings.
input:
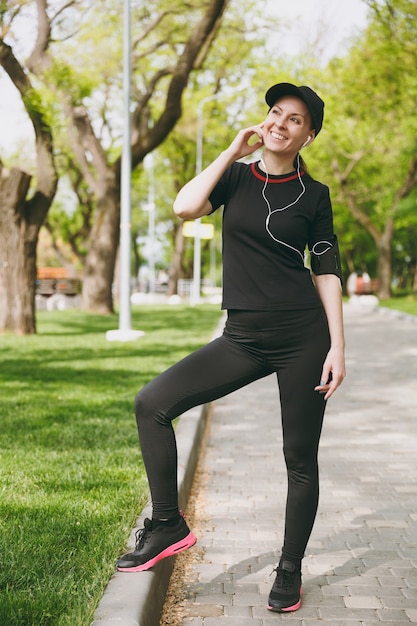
(254, 344)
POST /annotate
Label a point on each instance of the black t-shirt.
(263, 259)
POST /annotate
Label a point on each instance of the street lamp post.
(125, 332)
(150, 207)
(125, 198)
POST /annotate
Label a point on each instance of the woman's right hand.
(192, 200)
(242, 145)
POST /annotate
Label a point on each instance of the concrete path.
(360, 565)
(361, 562)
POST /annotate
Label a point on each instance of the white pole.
(125, 225)
(125, 332)
(151, 222)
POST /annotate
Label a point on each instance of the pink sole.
(287, 609)
(184, 544)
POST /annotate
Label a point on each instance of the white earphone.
(309, 138)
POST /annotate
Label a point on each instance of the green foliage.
(406, 304)
(90, 46)
(370, 95)
(404, 249)
(34, 102)
(154, 49)
(74, 84)
(9, 9)
(3, 9)
(371, 131)
(71, 472)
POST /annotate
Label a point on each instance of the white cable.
(324, 251)
(271, 212)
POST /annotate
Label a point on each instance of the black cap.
(306, 94)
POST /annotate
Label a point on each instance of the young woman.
(281, 318)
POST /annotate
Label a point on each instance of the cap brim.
(276, 92)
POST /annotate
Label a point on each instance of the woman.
(280, 320)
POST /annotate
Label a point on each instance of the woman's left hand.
(333, 372)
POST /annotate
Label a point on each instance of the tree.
(159, 83)
(373, 132)
(225, 64)
(157, 91)
(23, 212)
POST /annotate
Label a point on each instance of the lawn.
(405, 304)
(71, 477)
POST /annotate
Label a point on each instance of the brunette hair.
(303, 164)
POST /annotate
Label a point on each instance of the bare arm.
(328, 287)
(192, 200)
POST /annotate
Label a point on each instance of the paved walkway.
(361, 562)
(360, 565)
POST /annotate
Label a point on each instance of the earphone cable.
(272, 211)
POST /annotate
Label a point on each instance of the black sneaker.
(154, 543)
(286, 591)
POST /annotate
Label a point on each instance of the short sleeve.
(322, 226)
(221, 192)
(323, 243)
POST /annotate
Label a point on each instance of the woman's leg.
(209, 373)
(215, 370)
(302, 411)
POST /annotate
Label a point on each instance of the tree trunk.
(100, 262)
(18, 239)
(104, 179)
(23, 217)
(414, 278)
(384, 244)
(175, 266)
(384, 268)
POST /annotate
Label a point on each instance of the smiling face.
(287, 126)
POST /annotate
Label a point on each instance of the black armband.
(325, 258)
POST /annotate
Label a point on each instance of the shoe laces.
(141, 534)
(284, 579)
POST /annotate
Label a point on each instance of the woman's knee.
(301, 459)
(145, 404)
(149, 404)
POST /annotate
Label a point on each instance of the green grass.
(405, 304)
(71, 477)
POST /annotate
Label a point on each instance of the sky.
(333, 20)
